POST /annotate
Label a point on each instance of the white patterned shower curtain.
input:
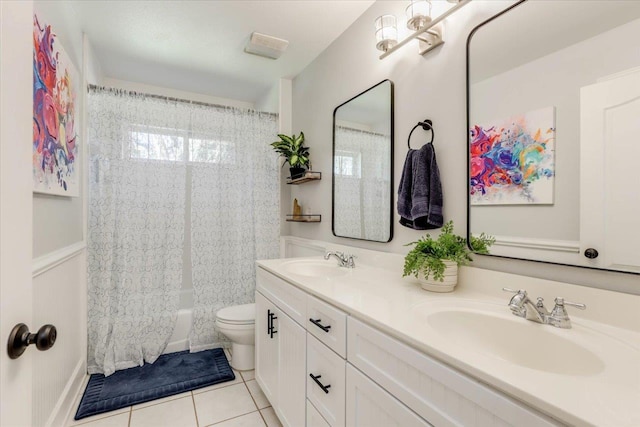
(235, 207)
(136, 227)
(142, 151)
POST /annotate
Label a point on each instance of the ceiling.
(198, 46)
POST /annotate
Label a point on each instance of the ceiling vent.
(266, 46)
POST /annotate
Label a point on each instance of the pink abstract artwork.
(55, 116)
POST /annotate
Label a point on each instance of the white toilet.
(238, 324)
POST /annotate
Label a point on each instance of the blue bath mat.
(171, 374)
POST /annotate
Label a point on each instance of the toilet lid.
(239, 314)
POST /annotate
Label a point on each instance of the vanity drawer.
(314, 419)
(287, 297)
(368, 405)
(439, 394)
(327, 391)
(328, 324)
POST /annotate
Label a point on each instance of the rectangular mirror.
(363, 165)
(554, 122)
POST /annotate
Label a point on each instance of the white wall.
(59, 264)
(431, 87)
(270, 100)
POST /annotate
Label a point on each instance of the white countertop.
(607, 395)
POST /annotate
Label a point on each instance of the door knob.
(20, 338)
(591, 253)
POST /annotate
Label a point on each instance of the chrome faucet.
(522, 306)
(346, 261)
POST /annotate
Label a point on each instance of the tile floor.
(237, 403)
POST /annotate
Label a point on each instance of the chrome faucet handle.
(561, 301)
(350, 261)
(518, 301)
(559, 316)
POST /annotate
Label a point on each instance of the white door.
(610, 149)
(16, 94)
(267, 348)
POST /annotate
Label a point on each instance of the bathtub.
(179, 341)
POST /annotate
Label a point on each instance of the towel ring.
(426, 125)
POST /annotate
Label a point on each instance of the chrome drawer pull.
(319, 325)
(324, 388)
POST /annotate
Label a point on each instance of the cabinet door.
(368, 405)
(314, 419)
(291, 361)
(266, 348)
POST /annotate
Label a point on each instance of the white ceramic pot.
(447, 285)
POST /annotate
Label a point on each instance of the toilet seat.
(238, 315)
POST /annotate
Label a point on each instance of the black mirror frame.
(333, 164)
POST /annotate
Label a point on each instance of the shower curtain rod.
(91, 87)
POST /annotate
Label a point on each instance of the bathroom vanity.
(364, 347)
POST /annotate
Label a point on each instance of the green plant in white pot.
(434, 262)
(295, 153)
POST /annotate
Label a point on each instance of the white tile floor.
(237, 403)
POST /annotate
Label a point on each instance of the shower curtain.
(235, 208)
(152, 163)
(136, 227)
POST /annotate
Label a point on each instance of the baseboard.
(62, 411)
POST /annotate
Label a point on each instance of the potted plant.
(295, 153)
(435, 262)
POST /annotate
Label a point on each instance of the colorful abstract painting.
(55, 116)
(512, 160)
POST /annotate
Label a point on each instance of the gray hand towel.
(404, 189)
(425, 193)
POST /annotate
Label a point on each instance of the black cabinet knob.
(591, 253)
(20, 338)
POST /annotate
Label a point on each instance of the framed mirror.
(553, 114)
(363, 165)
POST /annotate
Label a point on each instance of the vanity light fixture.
(386, 32)
(427, 30)
(418, 14)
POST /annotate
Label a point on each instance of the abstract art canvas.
(512, 160)
(55, 116)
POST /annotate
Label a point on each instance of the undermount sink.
(516, 340)
(315, 268)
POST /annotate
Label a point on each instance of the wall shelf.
(304, 218)
(308, 176)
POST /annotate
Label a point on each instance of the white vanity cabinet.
(324, 367)
(281, 348)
